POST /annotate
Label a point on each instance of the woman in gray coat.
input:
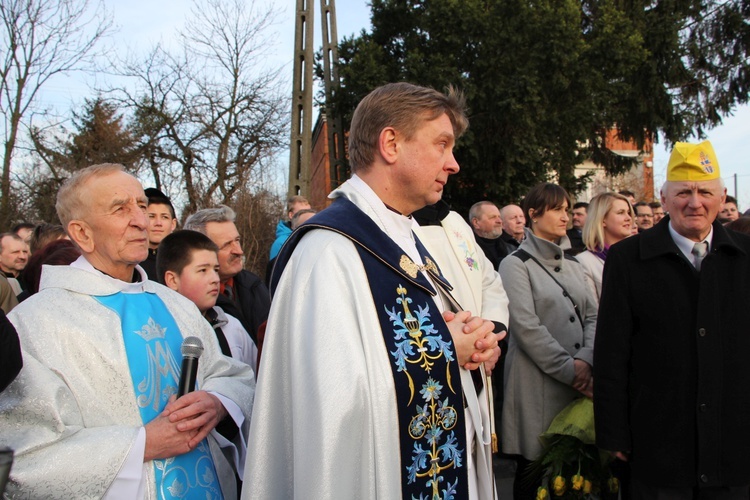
(552, 324)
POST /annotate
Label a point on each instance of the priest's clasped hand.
(183, 424)
(473, 337)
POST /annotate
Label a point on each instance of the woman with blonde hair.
(610, 219)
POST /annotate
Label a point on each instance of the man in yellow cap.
(672, 391)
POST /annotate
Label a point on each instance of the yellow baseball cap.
(693, 162)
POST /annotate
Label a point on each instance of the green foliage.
(546, 80)
(99, 135)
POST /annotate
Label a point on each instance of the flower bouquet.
(571, 466)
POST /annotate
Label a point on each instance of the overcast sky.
(144, 22)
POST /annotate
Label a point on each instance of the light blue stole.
(152, 343)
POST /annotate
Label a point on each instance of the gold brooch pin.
(431, 267)
(412, 269)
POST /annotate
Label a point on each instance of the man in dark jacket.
(484, 217)
(670, 359)
(575, 233)
(243, 294)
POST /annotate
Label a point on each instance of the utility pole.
(300, 170)
(300, 143)
(336, 139)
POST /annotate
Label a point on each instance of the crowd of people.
(394, 345)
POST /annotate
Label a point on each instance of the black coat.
(10, 352)
(149, 265)
(251, 302)
(672, 360)
(494, 249)
(511, 244)
(576, 241)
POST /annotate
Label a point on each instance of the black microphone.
(191, 349)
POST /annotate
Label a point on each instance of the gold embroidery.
(419, 343)
(412, 268)
(430, 267)
(420, 338)
(409, 266)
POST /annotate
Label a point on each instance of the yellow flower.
(576, 482)
(541, 493)
(614, 484)
(587, 486)
(559, 486)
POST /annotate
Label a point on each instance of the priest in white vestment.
(93, 412)
(328, 419)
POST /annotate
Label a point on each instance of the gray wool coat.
(545, 337)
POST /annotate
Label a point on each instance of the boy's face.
(199, 280)
(160, 223)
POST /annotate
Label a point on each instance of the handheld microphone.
(191, 349)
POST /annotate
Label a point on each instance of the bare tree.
(40, 39)
(212, 115)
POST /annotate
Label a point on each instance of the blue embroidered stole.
(432, 425)
(152, 343)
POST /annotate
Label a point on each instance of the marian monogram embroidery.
(152, 339)
(156, 388)
(418, 346)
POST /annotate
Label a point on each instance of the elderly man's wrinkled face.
(116, 217)
(227, 238)
(488, 224)
(693, 206)
(513, 221)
